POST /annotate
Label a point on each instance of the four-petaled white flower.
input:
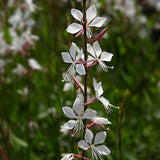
(73, 59)
(77, 113)
(97, 151)
(99, 91)
(92, 21)
(68, 156)
(97, 55)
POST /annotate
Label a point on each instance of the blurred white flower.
(87, 143)
(34, 64)
(92, 21)
(3, 44)
(20, 70)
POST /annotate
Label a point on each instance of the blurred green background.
(30, 127)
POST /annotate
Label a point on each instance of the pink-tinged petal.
(69, 125)
(91, 50)
(97, 49)
(74, 28)
(91, 13)
(77, 14)
(88, 136)
(80, 69)
(105, 56)
(103, 150)
(73, 50)
(97, 22)
(89, 114)
(100, 138)
(77, 106)
(82, 144)
(66, 57)
(69, 112)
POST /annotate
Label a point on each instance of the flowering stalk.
(82, 118)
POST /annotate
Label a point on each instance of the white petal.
(103, 150)
(69, 125)
(95, 84)
(77, 14)
(77, 106)
(74, 28)
(91, 50)
(80, 69)
(99, 90)
(100, 120)
(105, 56)
(91, 13)
(82, 144)
(97, 48)
(104, 101)
(68, 112)
(67, 86)
(73, 50)
(97, 22)
(88, 136)
(67, 157)
(66, 57)
(100, 138)
(89, 113)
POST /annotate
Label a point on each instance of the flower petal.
(69, 112)
(82, 144)
(77, 106)
(100, 120)
(88, 136)
(73, 50)
(91, 13)
(97, 22)
(105, 56)
(97, 48)
(91, 50)
(89, 113)
(69, 125)
(80, 69)
(74, 28)
(77, 14)
(103, 150)
(66, 57)
(100, 138)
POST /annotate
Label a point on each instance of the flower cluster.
(20, 39)
(82, 118)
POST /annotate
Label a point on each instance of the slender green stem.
(85, 58)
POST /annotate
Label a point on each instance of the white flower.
(78, 113)
(20, 70)
(87, 143)
(32, 7)
(92, 21)
(72, 58)
(67, 156)
(98, 55)
(34, 64)
(99, 91)
(3, 44)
